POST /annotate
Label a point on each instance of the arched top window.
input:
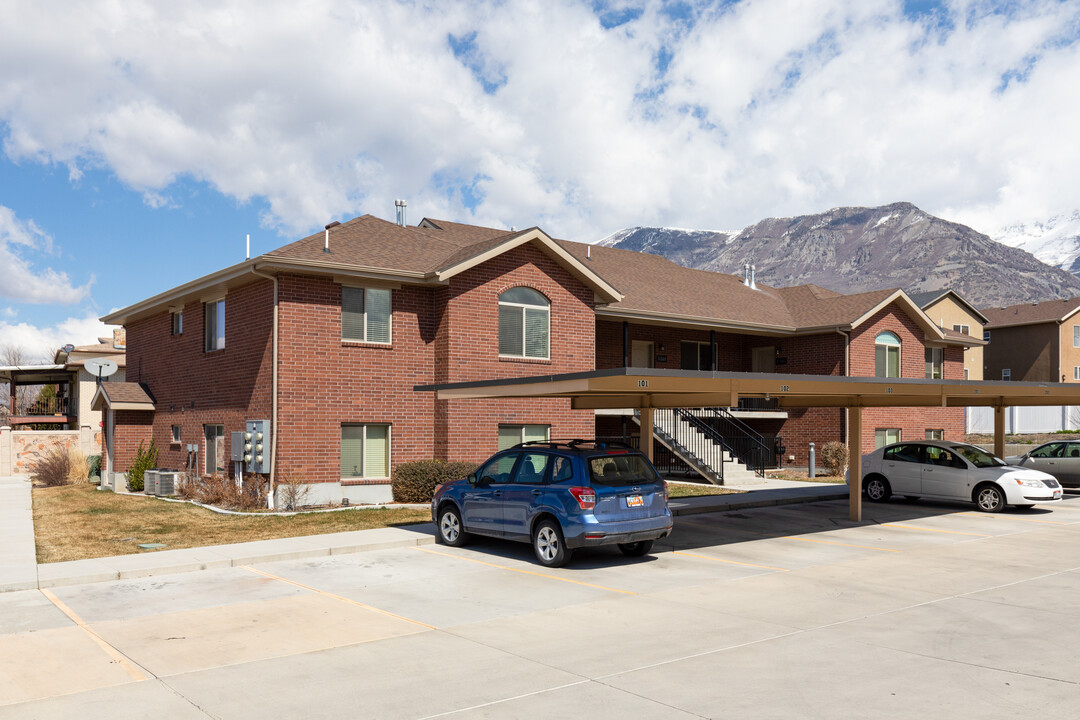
(887, 355)
(524, 323)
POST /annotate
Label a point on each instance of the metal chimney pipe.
(400, 205)
(326, 241)
(746, 274)
(753, 277)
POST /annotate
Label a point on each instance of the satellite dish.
(100, 367)
(68, 348)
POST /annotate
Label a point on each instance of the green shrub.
(95, 465)
(414, 482)
(145, 459)
(834, 457)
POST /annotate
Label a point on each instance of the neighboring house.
(954, 314)
(64, 414)
(1038, 342)
(339, 327)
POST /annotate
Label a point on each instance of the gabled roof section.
(926, 299)
(1048, 311)
(475, 254)
(122, 396)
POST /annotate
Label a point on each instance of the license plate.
(635, 501)
(1057, 494)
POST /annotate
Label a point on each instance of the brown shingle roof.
(115, 393)
(1029, 313)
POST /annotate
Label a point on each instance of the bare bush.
(53, 468)
(222, 492)
(292, 492)
(834, 456)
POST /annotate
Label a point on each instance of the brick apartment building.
(327, 337)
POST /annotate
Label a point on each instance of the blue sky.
(140, 141)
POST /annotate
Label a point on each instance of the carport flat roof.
(662, 388)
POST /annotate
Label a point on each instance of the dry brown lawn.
(78, 521)
(680, 489)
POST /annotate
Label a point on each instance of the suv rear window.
(621, 469)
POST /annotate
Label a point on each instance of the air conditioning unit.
(150, 482)
(167, 480)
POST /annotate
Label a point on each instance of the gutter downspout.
(847, 373)
(274, 395)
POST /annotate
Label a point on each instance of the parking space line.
(129, 667)
(724, 560)
(1013, 517)
(830, 542)
(525, 572)
(948, 532)
(340, 597)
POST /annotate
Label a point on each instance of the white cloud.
(773, 107)
(19, 280)
(41, 342)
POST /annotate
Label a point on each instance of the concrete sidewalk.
(19, 569)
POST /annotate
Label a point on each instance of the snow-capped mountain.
(1055, 241)
(856, 249)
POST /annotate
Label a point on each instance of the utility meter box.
(236, 446)
(256, 446)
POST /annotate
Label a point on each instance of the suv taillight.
(585, 496)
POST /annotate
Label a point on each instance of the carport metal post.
(647, 432)
(854, 417)
(999, 430)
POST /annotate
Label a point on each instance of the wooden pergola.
(646, 389)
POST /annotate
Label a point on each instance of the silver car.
(1060, 458)
(953, 471)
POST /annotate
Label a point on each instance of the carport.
(646, 389)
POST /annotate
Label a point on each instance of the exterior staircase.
(690, 437)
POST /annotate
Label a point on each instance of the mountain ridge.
(859, 249)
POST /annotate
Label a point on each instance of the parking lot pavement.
(782, 611)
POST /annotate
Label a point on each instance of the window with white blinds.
(365, 314)
(511, 435)
(524, 323)
(365, 451)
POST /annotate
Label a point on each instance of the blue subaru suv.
(558, 496)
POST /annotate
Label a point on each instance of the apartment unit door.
(641, 354)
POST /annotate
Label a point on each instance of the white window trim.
(206, 451)
(218, 331)
(389, 321)
(389, 450)
(176, 318)
(899, 354)
(1076, 336)
(1006, 374)
(175, 433)
(1076, 372)
(986, 336)
(524, 337)
(886, 431)
(936, 352)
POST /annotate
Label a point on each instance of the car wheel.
(636, 549)
(549, 546)
(877, 489)
(450, 530)
(989, 498)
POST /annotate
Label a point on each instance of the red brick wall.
(912, 422)
(467, 341)
(192, 388)
(132, 427)
(325, 381)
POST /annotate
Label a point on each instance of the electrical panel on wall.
(236, 446)
(257, 446)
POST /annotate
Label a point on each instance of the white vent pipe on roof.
(746, 274)
(753, 277)
(400, 205)
(326, 241)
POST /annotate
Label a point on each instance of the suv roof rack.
(577, 444)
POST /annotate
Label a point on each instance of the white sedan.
(953, 471)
